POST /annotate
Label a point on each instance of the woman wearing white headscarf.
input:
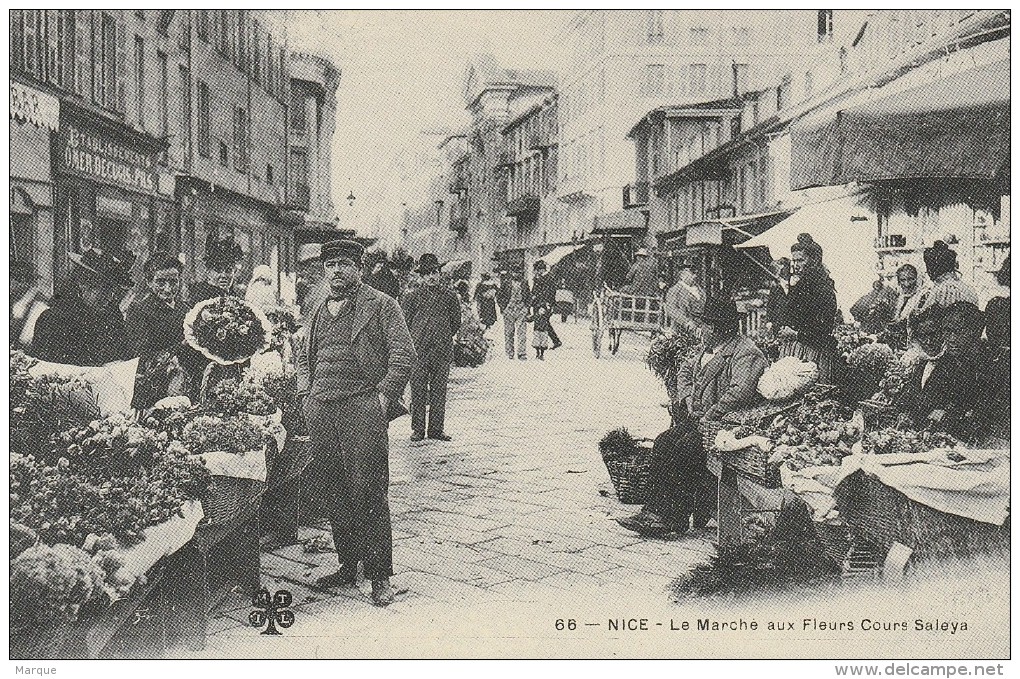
(260, 292)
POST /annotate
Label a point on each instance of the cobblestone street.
(509, 529)
(517, 508)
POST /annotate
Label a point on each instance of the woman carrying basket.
(722, 377)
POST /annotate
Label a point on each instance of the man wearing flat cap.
(354, 366)
(433, 317)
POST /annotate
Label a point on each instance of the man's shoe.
(556, 345)
(440, 437)
(343, 578)
(382, 593)
(417, 437)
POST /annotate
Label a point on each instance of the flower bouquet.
(208, 434)
(232, 397)
(227, 330)
(848, 338)
(668, 352)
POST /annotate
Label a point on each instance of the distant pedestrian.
(485, 300)
(261, 290)
(543, 302)
(433, 317)
(565, 302)
(28, 301)
(779, 288)
(874, 311)
(383, 279)
(685, 301)
(514, 297)
(356, 361)
(643, 277)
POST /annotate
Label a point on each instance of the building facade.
(806, 154)
(622, 64)
(167, 126)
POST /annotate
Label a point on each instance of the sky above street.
(402, 74)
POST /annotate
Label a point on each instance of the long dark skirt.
(680, 486)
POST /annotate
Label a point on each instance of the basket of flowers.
(235, 450)
(628, 461)
(227, 330)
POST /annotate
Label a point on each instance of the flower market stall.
(871, 490)
(123, 520)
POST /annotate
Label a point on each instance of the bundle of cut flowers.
(894, 441)
(892, 388)
(618, 444)
(52, 584)
(227, 330)
(871, 359)
(209, 433)
(284, 325)
(67, 501)
(848, 338)
(43, 406)
(668, 351)
(233, 397)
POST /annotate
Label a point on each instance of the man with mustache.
(356, 362)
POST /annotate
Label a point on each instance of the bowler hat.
(342, 249)
(107, 267)
(221, 254)
(720, 312)
(428, 263)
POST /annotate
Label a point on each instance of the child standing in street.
(540, 335)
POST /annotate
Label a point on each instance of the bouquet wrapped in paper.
(787, 378)
(227, 330)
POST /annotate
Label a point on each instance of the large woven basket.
(752, 462)
(884, 515)
(629, 475)
(229, 498)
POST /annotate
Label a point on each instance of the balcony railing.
(540, 140)
(635, 195)
(528, 204)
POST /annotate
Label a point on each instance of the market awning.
(553, 257)
(848, 246)
(621, 221)
(728, 230)
(954, 127)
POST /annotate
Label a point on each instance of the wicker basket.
(229, 497)
(752, 462)
(884, 515)
(630, 475)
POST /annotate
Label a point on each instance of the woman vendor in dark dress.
(84, 326)
(810, 310)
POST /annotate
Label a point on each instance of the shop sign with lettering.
(99, 156)
(29, 105)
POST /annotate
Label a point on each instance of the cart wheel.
(598, 327)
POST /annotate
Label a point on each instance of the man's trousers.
(515, 327)
(350, 444)
(428, 392)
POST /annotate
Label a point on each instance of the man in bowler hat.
(433, 317)
(355, 363)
